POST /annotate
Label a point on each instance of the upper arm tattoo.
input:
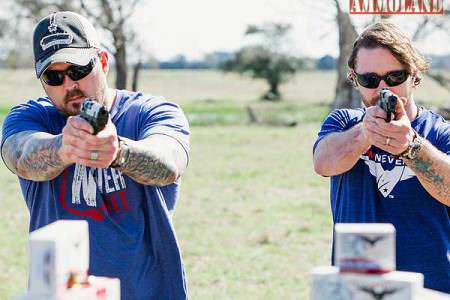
(33, 155)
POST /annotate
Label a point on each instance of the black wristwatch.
(122, 155)
(413, 149)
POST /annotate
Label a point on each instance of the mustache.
(73, 93)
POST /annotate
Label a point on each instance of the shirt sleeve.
(443, 141)
(164, 117)
(23, 117)
(338, 121)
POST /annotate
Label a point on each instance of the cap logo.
(54, 38)
(52, 27)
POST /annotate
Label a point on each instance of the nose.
(69, 84)
(382, 85)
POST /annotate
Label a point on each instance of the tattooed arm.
(33, 155)
(157, 160)
(432, 168)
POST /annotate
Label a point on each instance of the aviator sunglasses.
(55, 78)
(372, 80)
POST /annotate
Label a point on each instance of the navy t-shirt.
(130, 227)
(382, 189)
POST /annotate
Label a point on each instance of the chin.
(73, 109)
(371, 102)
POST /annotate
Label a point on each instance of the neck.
(110, 97)
(412, 110)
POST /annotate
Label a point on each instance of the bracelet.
(122, 155)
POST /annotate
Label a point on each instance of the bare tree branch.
(86, 11)
(421, 28)
(132, 8)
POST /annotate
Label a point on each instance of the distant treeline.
(210, 61)
(217, 59)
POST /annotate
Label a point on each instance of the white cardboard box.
(433, 295)
(56, 250)
(365, 248)
(103, 288)
(329, 284)
(98, 288)
(111, 285)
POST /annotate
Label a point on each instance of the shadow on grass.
(213, 112)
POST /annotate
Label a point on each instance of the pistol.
(95, 113)
(388, 102)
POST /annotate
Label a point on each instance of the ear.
(351, 77)
(415, 79)
(104, 61)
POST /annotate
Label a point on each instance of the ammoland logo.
(396, 7)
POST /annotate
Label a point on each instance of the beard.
(72, 108)
(368, 102)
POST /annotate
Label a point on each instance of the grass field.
(253, 218)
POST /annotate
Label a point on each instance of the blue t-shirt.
(130, 227)
(382, 189)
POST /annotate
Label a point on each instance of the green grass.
(252, 221)
(14, 220)
(210, 112)
(253, 218)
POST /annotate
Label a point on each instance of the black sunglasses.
(55, 78)
(372, 80)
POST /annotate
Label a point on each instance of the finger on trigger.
(80, 123)
(379, 113)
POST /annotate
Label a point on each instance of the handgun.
(95, 113)
(388, 102)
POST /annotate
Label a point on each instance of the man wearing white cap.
(124, 180)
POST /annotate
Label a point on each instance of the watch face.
(413, 149)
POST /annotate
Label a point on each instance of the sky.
(196, 27)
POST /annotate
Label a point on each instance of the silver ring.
(94, 155)
(388, 139)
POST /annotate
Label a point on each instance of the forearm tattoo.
(148, 166)
(34, 155)
(433, 170)
(425, 167)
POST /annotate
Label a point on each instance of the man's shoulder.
(348, 116)
(432, 120)
(41, 101)
(438, 118)
(34, 107)
(350, 111)
(128, 99)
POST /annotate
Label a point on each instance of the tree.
(265, 60)
(110, 15)
(16, 31)
(346, 96)
(326, 62)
